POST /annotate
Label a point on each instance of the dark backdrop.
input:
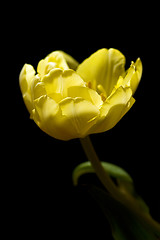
(41, 200)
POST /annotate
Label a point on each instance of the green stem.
(126, 199)
(93, 158)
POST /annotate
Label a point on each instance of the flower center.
(100, 90)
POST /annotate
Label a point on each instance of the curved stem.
(93, 158)
(126, 199)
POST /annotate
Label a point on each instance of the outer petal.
(113, 110)
(134, 82)
(133, 76)
(46, 114)
(103, 68)
(81, 115)
(70, 119)
(26, 77)
(54, 60)
(37, 88)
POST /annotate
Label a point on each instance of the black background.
(40, 197)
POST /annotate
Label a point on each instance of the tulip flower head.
(69, 100)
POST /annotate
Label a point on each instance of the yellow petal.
(71, 78)
(133, 76)
(72, 118)
(58, 81)
(103, 68)
(85, 93)
(72, 63)
(37, 88)
(121, 96)
(46, 114)
(26, 77)
(139, 67)
(81, 115)
(28, 101)
(53, 81)
(52, 61)
(114, 109)
(128, 106)
(134, 82)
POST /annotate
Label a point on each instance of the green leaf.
(112, 170)
(125, 224)
(124, 180)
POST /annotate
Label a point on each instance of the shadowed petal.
(72, 63)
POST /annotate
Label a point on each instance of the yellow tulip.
(67, 100)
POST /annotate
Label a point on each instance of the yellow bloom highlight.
(67, 100)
